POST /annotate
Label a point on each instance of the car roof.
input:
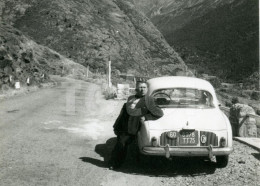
(180, 82)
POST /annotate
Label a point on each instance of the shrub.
(255, 95)
(245, 94)
(234, 100)
(215, 82)
(109, 93)
(228, 104)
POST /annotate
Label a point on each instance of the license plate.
(188, 138)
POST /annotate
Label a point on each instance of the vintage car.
(192, 125)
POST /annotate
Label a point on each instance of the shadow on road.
(93, 161)
(153, 166)
(256, 155)
(104, 150)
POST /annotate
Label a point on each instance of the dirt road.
(63, 136)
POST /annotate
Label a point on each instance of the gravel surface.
(243, 168)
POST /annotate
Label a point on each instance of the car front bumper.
(186, 151)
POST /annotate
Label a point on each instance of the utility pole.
(109, 73)
(109, 65)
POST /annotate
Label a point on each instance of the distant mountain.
(170, 15)
(219, 37)
(91, 32)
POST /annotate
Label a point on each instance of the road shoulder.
(252, 142)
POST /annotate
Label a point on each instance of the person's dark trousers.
(119, 152)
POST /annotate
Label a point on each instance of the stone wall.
(242, 126)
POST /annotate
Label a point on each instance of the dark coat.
(121, 123)
(150, 112)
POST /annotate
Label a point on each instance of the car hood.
(199, 119)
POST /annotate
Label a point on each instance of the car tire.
(222, 161)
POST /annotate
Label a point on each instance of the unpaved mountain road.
(63, 136)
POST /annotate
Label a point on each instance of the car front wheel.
(222, 161)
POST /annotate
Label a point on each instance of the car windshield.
(183, 98)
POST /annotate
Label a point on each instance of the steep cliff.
(22, 58)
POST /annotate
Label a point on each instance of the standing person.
(234, 115)
(135, 111)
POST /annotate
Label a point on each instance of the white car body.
(207, 131)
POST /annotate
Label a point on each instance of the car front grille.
(212, 138)
(164, 140)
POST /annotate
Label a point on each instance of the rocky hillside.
(218, 37)
(92, 32)
(171, 15)
(22, 58)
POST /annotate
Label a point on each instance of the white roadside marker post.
(109, 73)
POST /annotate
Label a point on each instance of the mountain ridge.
(199, 28)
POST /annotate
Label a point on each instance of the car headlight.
(154, 141)
(223, 142)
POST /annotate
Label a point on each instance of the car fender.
(229, 130)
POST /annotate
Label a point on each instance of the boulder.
(241, 125)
